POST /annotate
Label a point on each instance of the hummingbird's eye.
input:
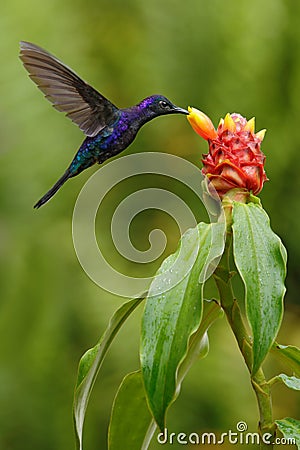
(163, 104)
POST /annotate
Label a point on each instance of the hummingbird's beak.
(178, 110)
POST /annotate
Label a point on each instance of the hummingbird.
(108, 129)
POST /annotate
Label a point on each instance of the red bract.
(234, 159)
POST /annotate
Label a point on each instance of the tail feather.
(53, 190)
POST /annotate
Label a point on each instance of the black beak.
(178, 110)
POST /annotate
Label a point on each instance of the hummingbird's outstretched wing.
(67, 91)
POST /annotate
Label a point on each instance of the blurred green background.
(236, 56)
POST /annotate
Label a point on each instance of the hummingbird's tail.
(54, 189)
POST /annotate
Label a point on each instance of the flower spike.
(234, 159)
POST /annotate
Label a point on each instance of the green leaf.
(172, 316)
(290, 382)
(290, 428)
(288, 354)
(90, 364)
(260, 258)
(130, 417)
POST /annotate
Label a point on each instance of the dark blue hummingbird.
(108, 129)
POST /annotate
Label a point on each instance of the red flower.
(234, 159)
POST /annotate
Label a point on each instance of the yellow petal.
(229, 123)
(250, 125)
(221, 122)
(261, 134)
(201, 123)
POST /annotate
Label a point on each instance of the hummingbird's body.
(109, 130)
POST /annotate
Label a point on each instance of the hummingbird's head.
(158, 105)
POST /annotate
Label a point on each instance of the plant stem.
(233, 313)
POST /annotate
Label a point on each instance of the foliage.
(173, 317)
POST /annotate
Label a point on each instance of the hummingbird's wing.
(68, 93)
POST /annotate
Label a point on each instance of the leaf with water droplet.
(172, 316)
(260, 258)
